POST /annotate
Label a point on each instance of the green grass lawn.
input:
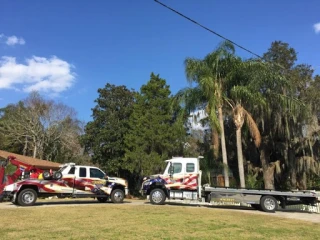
(123, 221)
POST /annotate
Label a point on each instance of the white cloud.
(317, 27)
(12, 40)
(51, 75)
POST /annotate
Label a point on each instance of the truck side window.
(96, 173)
(190, 167)
(83, 172)
(72, 170)
(177, 167)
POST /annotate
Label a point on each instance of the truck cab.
(181, 179)
(70, 180)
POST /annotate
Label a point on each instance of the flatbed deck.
(306, 193)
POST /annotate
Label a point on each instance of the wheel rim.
(270, 204)
(28, 197)
(157, 196)
(118, 196)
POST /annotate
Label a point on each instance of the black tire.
(102, 199)
(256, 206)
(157, 196)
(268, 204)
(46, 175)
(117, 196)
(27, 197)
(57, 175)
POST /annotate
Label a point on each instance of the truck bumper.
(126, 191)
(6, 195)
(143, 192)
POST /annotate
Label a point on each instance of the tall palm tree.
(242, 90)
(210, 76)
(240, 116)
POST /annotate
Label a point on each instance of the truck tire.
(27, 197)
(46, 175)
(102, 199)
(157, 196)
(268, 204)
(117, 196)
(57, 175)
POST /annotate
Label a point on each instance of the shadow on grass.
(50, 202)
(239, 208)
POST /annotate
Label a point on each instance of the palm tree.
(242, 90)
(210, 75)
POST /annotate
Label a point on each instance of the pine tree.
(104, 136)
(154, 134)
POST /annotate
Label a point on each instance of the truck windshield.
(177, 167)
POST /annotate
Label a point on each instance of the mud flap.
(14, 199)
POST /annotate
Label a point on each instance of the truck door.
(177, 178)
(191, 177)
(97, 177)
(81, 178)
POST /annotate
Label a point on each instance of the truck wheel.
(157, 196)
(46, 175)
(57, 175)
(268, 204)
(27, 197)
(117, 196)
(102, 199)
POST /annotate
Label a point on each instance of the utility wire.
(219, 35)
(208, 29)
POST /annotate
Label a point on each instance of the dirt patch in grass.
(122, 221)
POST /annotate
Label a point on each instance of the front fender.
(158, 185)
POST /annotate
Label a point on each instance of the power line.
(208, 29)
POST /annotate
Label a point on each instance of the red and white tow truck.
(70, 180)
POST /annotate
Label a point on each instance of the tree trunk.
(240, 159)
(224, 149)
(268, 169)
(303, 181)
(25, 148)
(293, 179)
(215, 143)
(268, 177)
(35, 150)
(292, 167)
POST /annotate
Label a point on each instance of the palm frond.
(253, 128)
(245, 94)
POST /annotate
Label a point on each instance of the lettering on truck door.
(97, 177)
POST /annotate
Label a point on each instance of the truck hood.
(117, 180)
(154, 176)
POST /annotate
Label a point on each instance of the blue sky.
(69, 49)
